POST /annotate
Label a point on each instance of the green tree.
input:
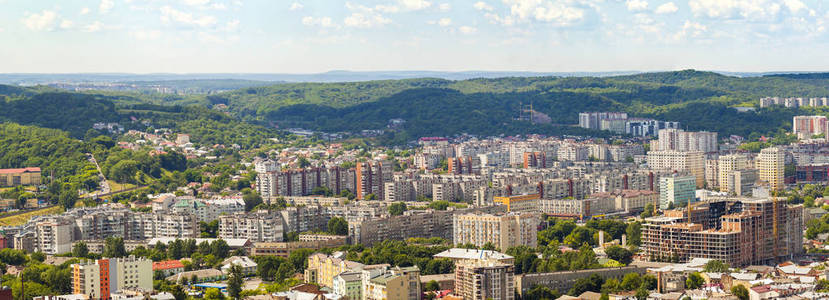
(80, 249)
(740, 291)
(631, 281)
(634, 234)
(397, 209)
(219, 248)
(694, 281)
(235, 281)
(114, 247)
(432, 286)
(619, 254)
(338, 226)
(648, 212)
(593, 283)
(252, 199)
(213, 294)
(716, 266)
(642, 293)
(540, 292)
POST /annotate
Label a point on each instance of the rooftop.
(461, 253)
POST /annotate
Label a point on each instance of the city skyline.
(207, 36)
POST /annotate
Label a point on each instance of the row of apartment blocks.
(366, 178)
(794, 102)
(685, 141)
(618, 122)
(738, 231)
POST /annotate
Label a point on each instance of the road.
(105, 189)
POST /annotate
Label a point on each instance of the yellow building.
(394, 284)
(520, 203)
(15, 177)
(728, 164)
(502, 230)
(323, 268)
(771, 164)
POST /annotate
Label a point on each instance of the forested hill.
(700, 100)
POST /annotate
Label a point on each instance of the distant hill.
(700, 100)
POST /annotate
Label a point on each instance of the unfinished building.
(738, 231)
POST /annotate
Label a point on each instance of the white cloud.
(444, 7)
(558, 12)
(321, 21)
(734, 9)
(66, 24)
(144, 35)
(467, 29)
(360, 20)
(94, 27)
(636, 5)
(106, 6)
(196, 2)
(794, 5)
(480, 5)
(667, 8)
(84, 10)
(296, 6)
(443, 22)
(169, 14)
(691, 29)
(44, 21)
(386, 8)
(218, 6)
(232, 25)
(415, 4)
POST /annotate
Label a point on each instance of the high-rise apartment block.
(592, 120)
(484, 279)
(771, 164)
(98, 279)
(371, 178)
(693, 162)
(255, 226)
(727, 164)
(501, 230)
(807, 126)
(680, 140)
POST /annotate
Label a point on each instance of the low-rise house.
(168, 267)
(247, 264)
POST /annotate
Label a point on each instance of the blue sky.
(307, 36)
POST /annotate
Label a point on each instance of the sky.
(310, 36)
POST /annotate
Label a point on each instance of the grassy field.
(22, 218)
(115, 187)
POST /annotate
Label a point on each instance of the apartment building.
(273, 184)
(304, 218)
(592, 120)
(502, 230)
(22, 176)
(100, 278)
(794, 102)
(208, 210)
(677, 190)
(741, 182)
(484, 279)
(520, 203)
(323, 268)
(54, 236)
(260, 226)
(738, 231)
(686, 141)
(692, 162)
(371, 178)
(727, 164)
(807, 126)
(771, 163)
(397, 283)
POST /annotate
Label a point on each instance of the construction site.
(738, 231)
